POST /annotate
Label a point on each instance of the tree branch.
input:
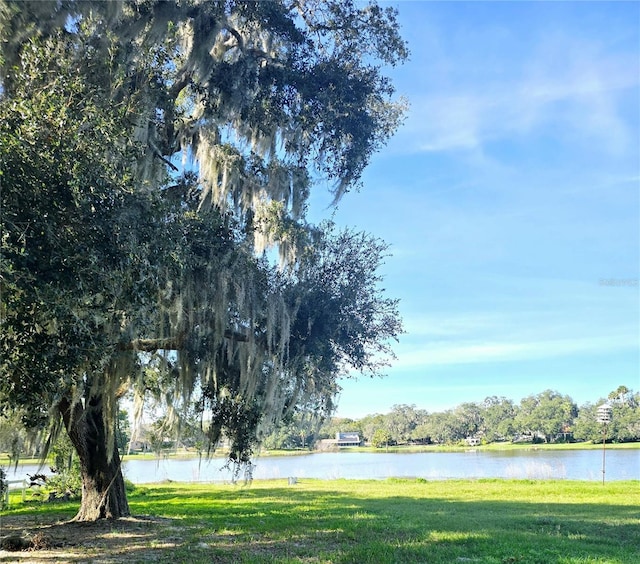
(237, 35)
(158, 154)
(172, 343)
(152, 345)
(235, 336)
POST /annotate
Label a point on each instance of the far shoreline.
(184, 454)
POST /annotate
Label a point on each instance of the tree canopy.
(151, 152)
(548, 416)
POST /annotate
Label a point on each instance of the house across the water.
(347, 439)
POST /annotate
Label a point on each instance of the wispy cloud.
(435, 354)
(570, 88)
(579, 321)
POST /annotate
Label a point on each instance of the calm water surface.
(571, 465)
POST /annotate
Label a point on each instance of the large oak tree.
(151, 151)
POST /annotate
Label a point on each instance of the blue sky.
(510, 200)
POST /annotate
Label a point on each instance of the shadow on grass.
(291, 524)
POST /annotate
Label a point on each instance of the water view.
(540, 464)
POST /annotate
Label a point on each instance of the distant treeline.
(545, 417)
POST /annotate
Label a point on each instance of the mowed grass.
(391, 521)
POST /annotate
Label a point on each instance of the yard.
(345, 521)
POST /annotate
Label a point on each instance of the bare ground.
(134, 540)
(106, 541)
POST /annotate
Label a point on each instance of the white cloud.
(569, 87)
(434, 354)
(579, 320)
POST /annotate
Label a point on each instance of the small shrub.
(65, 483)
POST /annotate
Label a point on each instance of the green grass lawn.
(391, 521)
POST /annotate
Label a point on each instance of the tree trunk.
(103, 492)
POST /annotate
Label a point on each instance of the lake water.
(534, 464)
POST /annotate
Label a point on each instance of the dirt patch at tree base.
(105, 541)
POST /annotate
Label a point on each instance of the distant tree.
(280, 438)
(16, 440)
(158, 435)
(123, 431)
(469, 419)
(370, 424)
(498, 418)
(381, 438)
(192, 432)
(444, 427)
(625, 420)
(421, 433)
(296, 431)
(585, 425)
(547, 414)
(418, 433)
(621, 395)
(401, 422)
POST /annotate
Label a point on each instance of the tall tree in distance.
(547, 414)
(498, 415)
(150, 152)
